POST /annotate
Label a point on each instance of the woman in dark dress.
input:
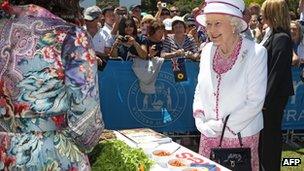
(279, 85)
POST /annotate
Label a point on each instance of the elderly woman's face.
(219, 28)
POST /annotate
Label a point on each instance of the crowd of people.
(50, 114)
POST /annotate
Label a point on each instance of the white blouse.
(240, 91)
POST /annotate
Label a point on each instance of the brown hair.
(122, 25)
(254, 7)
(298, 26)
(68, 10)
(155, 25)
(276, 13)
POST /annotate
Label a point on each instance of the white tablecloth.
(182, 153)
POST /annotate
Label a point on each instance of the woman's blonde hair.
(276, 12)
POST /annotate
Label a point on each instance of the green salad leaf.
(115, 155)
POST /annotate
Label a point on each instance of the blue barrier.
(294, 112)
(124, 106)
(170, 109)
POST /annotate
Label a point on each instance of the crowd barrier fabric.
(294, 112)
(170, 108)
(124, 106)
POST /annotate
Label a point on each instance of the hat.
(168, 24)
(108, 8)
(177, 19)
(91, 13)
(189, 20)
(132, 7)
(233, 8)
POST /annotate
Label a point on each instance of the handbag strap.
(223, 131)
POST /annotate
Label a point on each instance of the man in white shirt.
(92, 18)
(109, 16)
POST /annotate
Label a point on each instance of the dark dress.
(279, 88)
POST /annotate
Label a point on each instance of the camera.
(163, 5)
(123, 39)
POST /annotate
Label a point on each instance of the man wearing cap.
(231, 82)
(136, 11)
(121, 10)
(92, 17)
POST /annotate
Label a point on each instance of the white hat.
(168, 24)
(233, 8)
(176, 19)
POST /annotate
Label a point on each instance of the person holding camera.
(127, 44)
(154, 39)
(163, 12)
(135, 11)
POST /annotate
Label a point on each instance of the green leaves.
(115, 155)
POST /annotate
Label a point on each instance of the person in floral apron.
(49, 99)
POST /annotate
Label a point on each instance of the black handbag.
(236, 159)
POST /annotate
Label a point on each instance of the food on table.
(177, 163)
(115, 155)
(161, 153)
(107, 134)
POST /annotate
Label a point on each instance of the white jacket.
(241, 93)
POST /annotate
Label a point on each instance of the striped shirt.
(170, 45)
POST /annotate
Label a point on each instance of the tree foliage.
(184, 5)
(105, 3)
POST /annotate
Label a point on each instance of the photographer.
(127, 43)
(154, 40)
(163, 12)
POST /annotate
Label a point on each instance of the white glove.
(204, 128)
(215, 125)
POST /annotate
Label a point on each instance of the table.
(181, 153)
